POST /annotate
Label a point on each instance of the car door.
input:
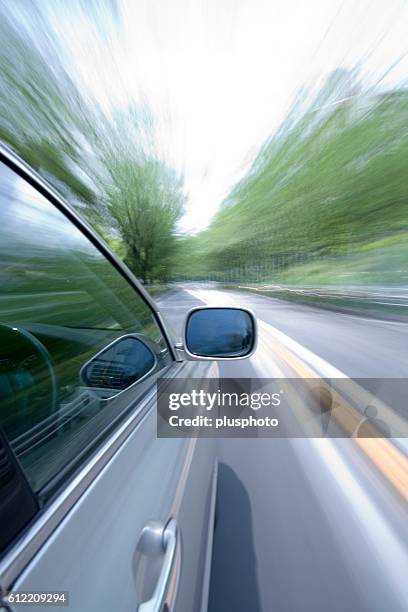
(97, 512)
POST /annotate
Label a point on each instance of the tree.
(105, 164)
(146, 201)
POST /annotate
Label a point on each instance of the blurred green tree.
(107, 166)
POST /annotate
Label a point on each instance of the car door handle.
(169, 540)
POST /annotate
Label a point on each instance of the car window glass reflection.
(122, 364)
(61, 304)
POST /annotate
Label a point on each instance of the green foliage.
(145, 200)
(331, 181)
(106, 165)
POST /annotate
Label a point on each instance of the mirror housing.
(219, 333)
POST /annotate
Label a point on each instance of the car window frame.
(28, 542)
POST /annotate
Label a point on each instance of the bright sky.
(219, 75)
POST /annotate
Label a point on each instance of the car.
(97, 512)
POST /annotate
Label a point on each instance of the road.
(309, 524)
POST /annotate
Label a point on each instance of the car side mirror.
(220, 333)
(118, 366)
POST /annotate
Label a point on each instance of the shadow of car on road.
(234, 584)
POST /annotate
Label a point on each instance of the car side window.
(78, 345)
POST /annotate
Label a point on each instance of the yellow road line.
(387, 458)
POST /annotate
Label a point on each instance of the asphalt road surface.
(309, 524)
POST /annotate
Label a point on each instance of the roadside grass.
(380, 263)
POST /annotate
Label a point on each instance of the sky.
(220, 75)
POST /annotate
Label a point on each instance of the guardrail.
(384, 302)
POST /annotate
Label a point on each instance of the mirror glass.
(220, 332)
(119, 365)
